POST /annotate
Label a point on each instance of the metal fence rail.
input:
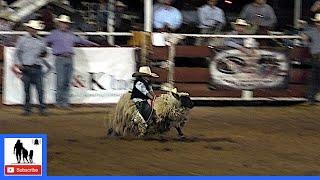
(177, 34)
(77, 33)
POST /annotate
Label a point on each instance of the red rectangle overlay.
(24, 170)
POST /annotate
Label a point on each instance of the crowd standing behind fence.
(169, 18)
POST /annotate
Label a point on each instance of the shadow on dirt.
(163, 139)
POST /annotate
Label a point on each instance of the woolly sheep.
(171, 110)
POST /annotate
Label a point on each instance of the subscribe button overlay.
(23, 156)
(24, 170)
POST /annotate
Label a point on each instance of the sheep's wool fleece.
(125, 110)
(167, 106)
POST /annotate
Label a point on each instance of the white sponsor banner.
(101, 75)
(262, 69)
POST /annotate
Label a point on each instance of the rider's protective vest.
(138, 94)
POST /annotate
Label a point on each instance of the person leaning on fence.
(240, 28)
(62, 41)
(30, 51)
(312, 38)
(166, 17)
(260, 15)
(212, 19)
(143, 95)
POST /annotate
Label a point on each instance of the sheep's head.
(184, 98)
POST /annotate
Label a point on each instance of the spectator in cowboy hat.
(142, 92)
(240, 28)
(62, 41)
(30, 50)
(312, 38)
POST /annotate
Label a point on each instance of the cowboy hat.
(34, 24)
(250, 43)
(63, 18)
(240, 22)
(120, 4)
(316, 18)
(145, 71)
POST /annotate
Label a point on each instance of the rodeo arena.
(164, 87)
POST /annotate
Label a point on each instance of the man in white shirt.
(212, 19)
(166, 17)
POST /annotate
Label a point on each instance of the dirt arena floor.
(220, 141)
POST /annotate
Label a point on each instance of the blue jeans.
(64, 70)
(32, 75)
(315, 78)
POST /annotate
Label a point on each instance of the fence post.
(111, 20)
(173, 40)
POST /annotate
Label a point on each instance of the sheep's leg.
(179, 131)
(110, 132)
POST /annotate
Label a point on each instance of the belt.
(32, 66)
(64, 55)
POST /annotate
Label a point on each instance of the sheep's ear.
(175, 95)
